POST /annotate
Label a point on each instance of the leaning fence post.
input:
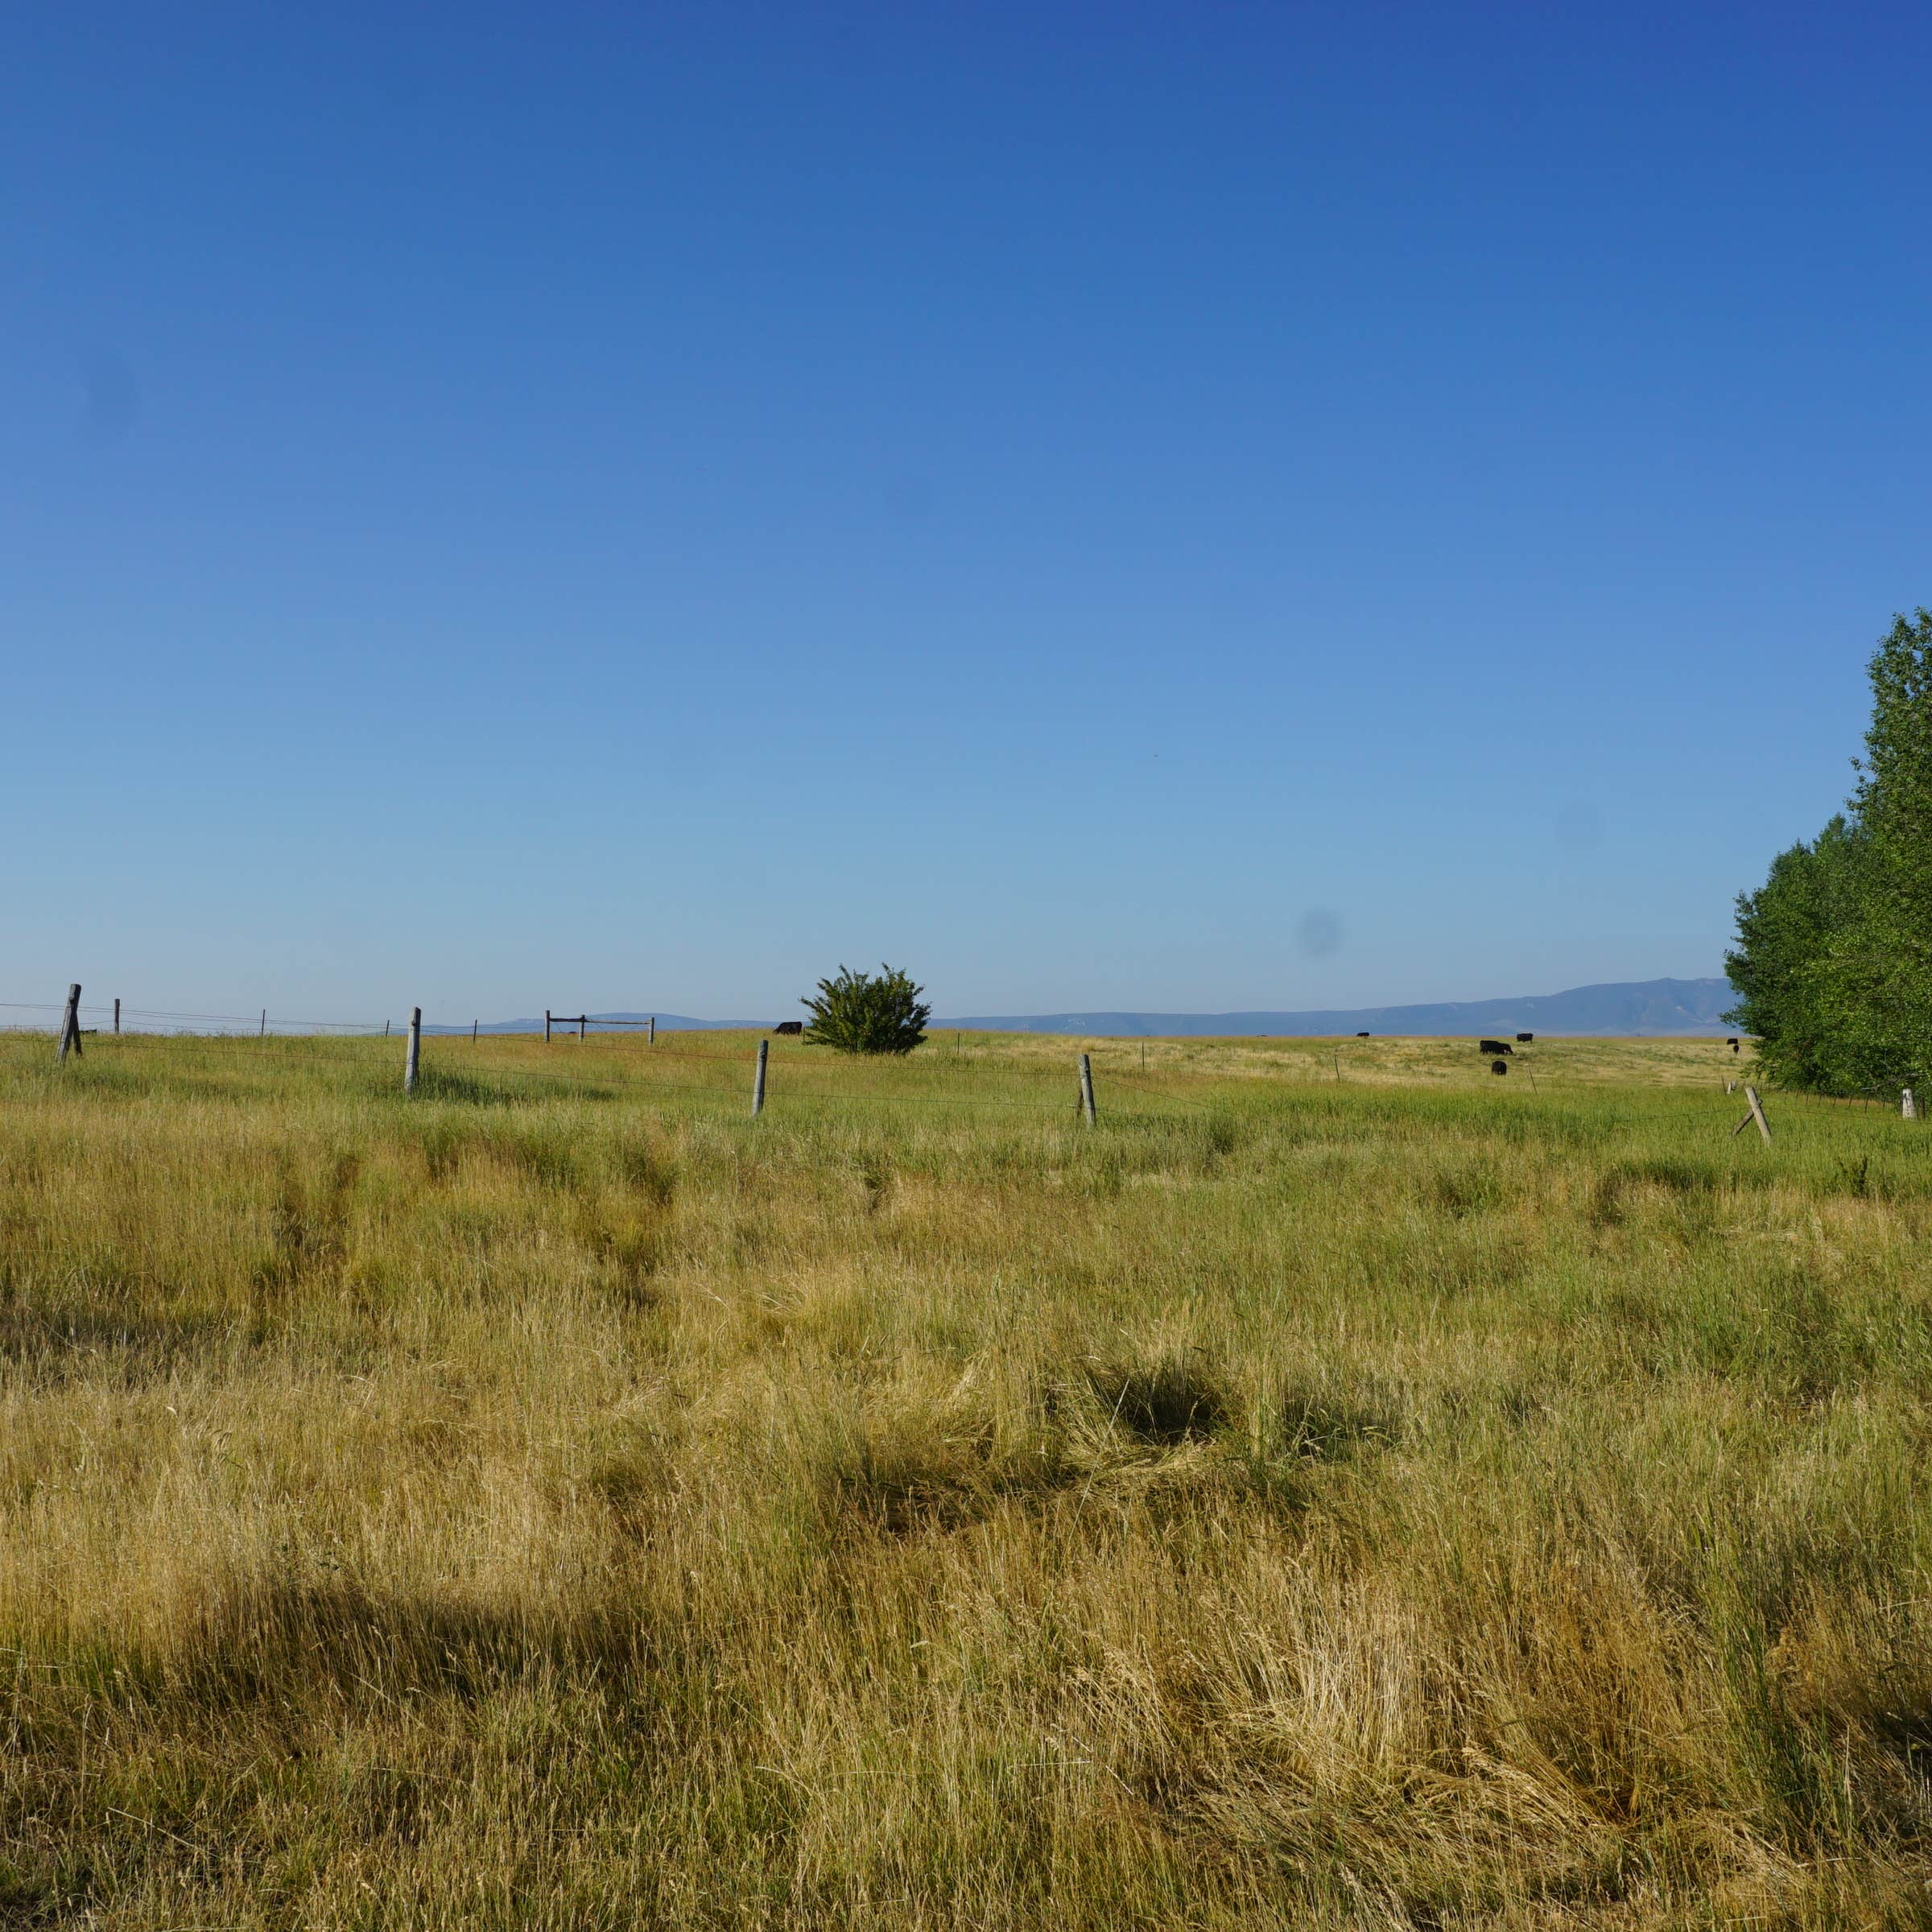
(472, 1032)
(758, 1079)
(1087, 1087)
(413, 1063)
(1756, 1114)
(70, 1023)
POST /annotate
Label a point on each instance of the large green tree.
(1786, 966)
(1833, 963)
(1893, 803)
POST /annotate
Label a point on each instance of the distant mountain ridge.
(1633, 1007)
(1640, 1007)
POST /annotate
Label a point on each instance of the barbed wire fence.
(149, 1019)
(723, 1076)
(716, 1074)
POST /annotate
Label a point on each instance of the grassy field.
(1343, 1489)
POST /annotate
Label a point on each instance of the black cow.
(1361, 1036)
(791, 1026)
(1523, 1039)
(1501, 1067)
(1494, 1047)
(1732, 1045)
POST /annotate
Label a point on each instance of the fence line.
(173, 1022)
(632, 1079)
(629, 1076)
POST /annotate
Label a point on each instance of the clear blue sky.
(1164, 507)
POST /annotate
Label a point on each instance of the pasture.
(1341, 1489)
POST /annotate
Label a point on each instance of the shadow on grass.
(96, 1342)
(346, 1644)
(481, 1089)
(1318, 1428)
(1164, 1403)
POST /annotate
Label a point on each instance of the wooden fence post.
(70, 1024)
(1087, 1089)
(472, 1032)
(583, 1021)
(651, 1037)
(412, 1065)
(263, 1033)
(546, 1025)
(117, 1013)
(757, 1081)
(1907, 1106)
(1756, 1114)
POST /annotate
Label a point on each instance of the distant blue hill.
(1637, 1007)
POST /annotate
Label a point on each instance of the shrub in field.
(858, 1013)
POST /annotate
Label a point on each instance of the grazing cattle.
(1523, 1039)
(1732, 1045)
(1501, 1067)
(1361, 1036)
(1494, 1047)
(790, 1026)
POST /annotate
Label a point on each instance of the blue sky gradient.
(1165, 508)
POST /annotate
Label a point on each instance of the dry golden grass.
(1383, 1058)
(1407, 1500)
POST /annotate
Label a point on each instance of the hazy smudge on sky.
(111, 398)
(1318, 933)
(1580, 827)
(911, 499)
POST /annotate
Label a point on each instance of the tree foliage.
(861, 1013)
(1833, 962)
